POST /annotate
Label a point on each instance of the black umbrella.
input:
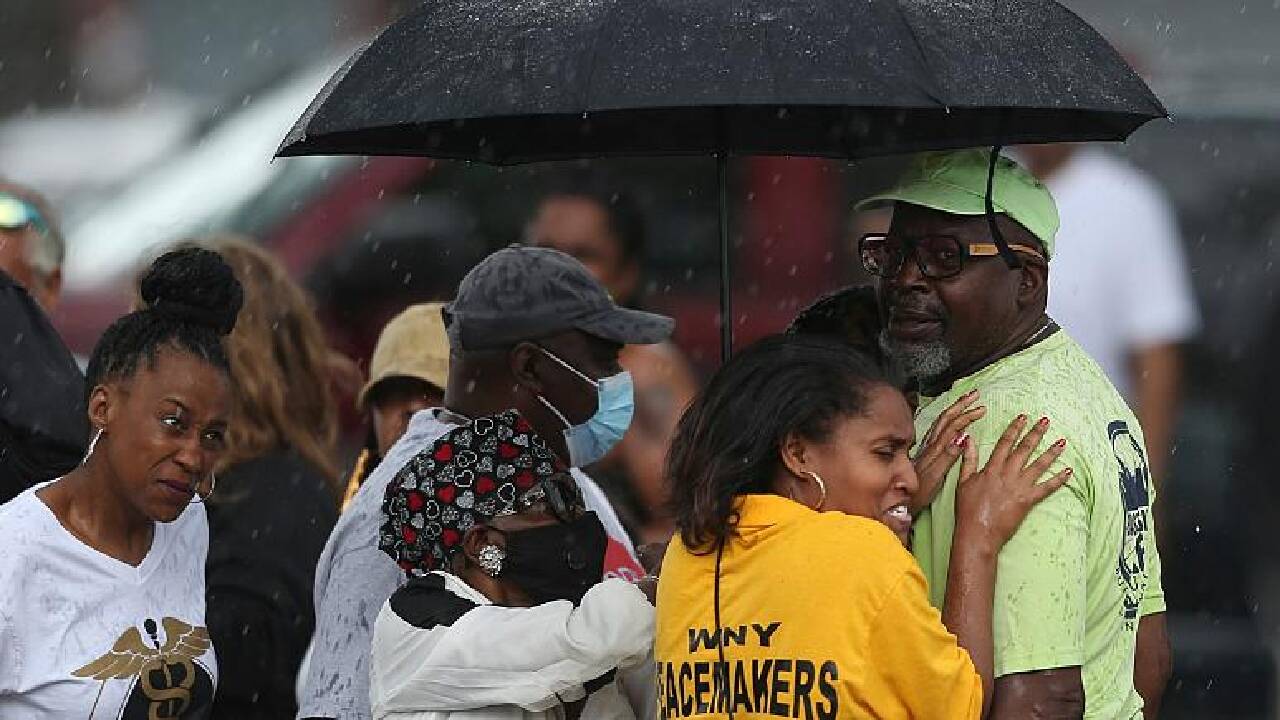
(514, 81)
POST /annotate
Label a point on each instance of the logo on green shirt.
(1135, 481)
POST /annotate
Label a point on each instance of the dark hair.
(727, 443)
(850, 314)
(191, 299)
(626, 221)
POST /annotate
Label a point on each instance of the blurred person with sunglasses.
(531, 330)
(43, 427)
(504, 614)
(1079, 606)
(102, 578)
(32, 248)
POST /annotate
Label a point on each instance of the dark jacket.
(268, 521)
(43, 425)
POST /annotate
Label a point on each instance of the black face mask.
(557, 562)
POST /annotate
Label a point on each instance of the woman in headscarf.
(505, 616)
(786, 592)
(102, 603)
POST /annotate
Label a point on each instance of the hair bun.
(193, 285)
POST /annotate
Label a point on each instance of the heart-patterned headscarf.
(469, 476)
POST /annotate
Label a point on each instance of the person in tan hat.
(408, 373)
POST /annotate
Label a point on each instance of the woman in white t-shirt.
(102, 597)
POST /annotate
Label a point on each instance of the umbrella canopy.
(511, 82)
(515, 81)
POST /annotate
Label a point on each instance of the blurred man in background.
(31, 244)
(43, 425)
(583, 215)
(1120, 283)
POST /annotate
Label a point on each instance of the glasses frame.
(911, 244)
(560, 494)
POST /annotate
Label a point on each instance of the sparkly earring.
(491, 557)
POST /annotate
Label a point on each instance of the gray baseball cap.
(525, 293)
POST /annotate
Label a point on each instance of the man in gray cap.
(530, 329)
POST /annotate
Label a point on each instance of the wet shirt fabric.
(823, 615)
(442, 651)
(354, 578)
(84, 635)
(1083, 568)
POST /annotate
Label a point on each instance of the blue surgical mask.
(615, 404)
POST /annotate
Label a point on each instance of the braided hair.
(191, 299)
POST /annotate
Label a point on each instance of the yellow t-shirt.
(824, 615)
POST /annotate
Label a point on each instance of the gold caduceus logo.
(168, 693)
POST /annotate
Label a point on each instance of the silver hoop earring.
(822, 487)
(93, 443)
(213, 485)
(490, 560)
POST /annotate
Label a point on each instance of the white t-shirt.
(86, 636)
(1117, 280)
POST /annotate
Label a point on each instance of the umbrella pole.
(726, 295)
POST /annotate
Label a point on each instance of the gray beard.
(924, 361)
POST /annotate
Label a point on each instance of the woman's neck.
(88, 506)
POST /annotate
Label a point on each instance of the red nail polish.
(1043, 421)
(1062, 442)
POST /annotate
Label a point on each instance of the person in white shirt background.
(1120, 281)
(102, 592)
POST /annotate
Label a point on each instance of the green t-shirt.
(1083, 568)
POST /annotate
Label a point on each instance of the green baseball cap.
(956, 182)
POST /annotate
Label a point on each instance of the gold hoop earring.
(822, 487)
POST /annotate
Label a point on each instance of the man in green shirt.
(1079, 610)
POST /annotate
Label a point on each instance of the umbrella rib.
(607, 26)
(924, 57)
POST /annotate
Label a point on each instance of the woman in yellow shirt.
(786, 592)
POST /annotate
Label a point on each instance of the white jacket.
(442, 651)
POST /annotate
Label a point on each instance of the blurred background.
(147, 122)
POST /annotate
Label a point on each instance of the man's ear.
(1033, 283)
(524, 359)
(52, 290)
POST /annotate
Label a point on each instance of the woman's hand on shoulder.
(991, 503)
(942, 447)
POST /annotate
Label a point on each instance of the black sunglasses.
(938, 256)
